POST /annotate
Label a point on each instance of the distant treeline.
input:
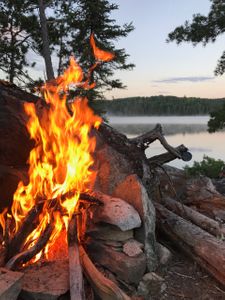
(160, 105)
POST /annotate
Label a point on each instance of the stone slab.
(10, 284)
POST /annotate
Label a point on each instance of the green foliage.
(209, 167)
(204, 29)
(217, 120)
(160, 105)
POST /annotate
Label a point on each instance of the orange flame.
(100, 54)
(62, 158)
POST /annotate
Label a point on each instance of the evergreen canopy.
(204, 29)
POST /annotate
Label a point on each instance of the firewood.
(195, 217)
(75, 269)
(28, 225)
(204, 248)
(104, 288)
(28, 254)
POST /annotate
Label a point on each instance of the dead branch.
(169, 156)
(104, 288)
(144, 140)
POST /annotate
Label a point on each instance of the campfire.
(83, 209)
(59, 191)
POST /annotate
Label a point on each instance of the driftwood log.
(204, 248)
(214, 227)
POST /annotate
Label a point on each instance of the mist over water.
(188, 130)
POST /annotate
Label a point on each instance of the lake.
(188, 130)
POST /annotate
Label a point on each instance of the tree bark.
(45, 39)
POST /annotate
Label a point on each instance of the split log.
(75, 270)
(189, 214)
(104, 288)
(27, 255)
(205, 249)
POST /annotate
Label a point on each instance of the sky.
(162, 68)
(166, 68)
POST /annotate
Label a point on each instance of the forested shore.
(160, 105)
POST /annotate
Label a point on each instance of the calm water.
(188, 130)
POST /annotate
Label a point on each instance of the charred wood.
(28, 254)
(27, 226)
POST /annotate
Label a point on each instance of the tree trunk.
(45, 38)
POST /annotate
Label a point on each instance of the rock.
(150, 284)
(201, 188)
(135, 193)
(10, 284)
(109, 232)
(128, 269)
(133, 248)
(45, 282)
(164, 253)
(116, 176)
(117, 212)
(219, 185)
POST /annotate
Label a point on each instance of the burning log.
(104, 288)
(194, 241)
(26, 228)
(75, 269)
(189, 214)
(28, 254)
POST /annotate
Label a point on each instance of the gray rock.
(150, 284)
(10, 284)
(117, 212)
(109, 232)
(164, 254)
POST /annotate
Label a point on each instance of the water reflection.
(190, 131)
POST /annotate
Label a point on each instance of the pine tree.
(204, 29)
(15, 18)
(94, 17)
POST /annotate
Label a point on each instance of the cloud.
(184, 79)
